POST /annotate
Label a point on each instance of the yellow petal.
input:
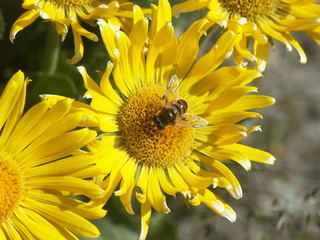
(81, 208)
(11, 106)
(253, 154)
(55, 148)
(23, 21)
(145, 219)
(127, 184)
(138, 38)
(221, 134)
(142, 183)
(36, 121)
(188, 6)
(107, 88)
(68, 166)
(188, 47)
(166, 186)
(65, 183)
(177, 180)
(155, 195)
(66, 218)
(78, 32)
(10, 95)
(217, 205)
(210, 61)
(250, 102)
(193, 179)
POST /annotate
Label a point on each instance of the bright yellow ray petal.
(217, 205)
(142, 183)
(177, 180)
(66, 218)
(82, 208)
(163, 14)
(210, 61)
(23, 21)
(101, 103)
(188, 47)
(261, 52)
(36, 121)
(188, 6)
(78, 32)
(108, 37)
(125, 75)
(104, 11)
(251, 153)
(22, 228)
(223, 153)
(227, 98)
(138, 38)
(2, 234)
(193, 179)
(65, 183)
(10, 96)
(232, 185)
(68, 166)
(39, 227)
(160, 41)
(166, 186)
(145, 219)
(138, 14)
(10, 231)
(127, 184)
(221, 134)
(12, 105)
(89, 83)
(155, 195)
(106, 86)
(112, 180)
(53, 149)
(250, 102)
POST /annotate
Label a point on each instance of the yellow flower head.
(66, 13)
(169, 120)
(261, 21)
(35, 177)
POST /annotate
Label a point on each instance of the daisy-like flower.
(148, 147)
(66, 13)
(261, 21)
(36, 177)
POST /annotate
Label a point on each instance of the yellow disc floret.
(250, 9)
(11, 185)
(142, 140)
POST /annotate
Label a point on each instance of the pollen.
(75, 3)
(11, 185)
(250, 9)
(142, 140)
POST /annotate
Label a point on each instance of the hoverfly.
(174, 111)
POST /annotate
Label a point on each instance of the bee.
(174, 111)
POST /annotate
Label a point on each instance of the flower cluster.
(165, 118)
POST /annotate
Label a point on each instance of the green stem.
(52, 51)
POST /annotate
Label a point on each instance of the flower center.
(143, 141)
(75, 3)
(11, 185)
(250, 9)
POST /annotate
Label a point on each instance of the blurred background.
(279, 202)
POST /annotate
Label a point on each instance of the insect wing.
(191, 120)
(172, 89)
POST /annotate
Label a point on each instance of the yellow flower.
(65, 13)
(261, 21)
(35, 177)
(142, 150)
